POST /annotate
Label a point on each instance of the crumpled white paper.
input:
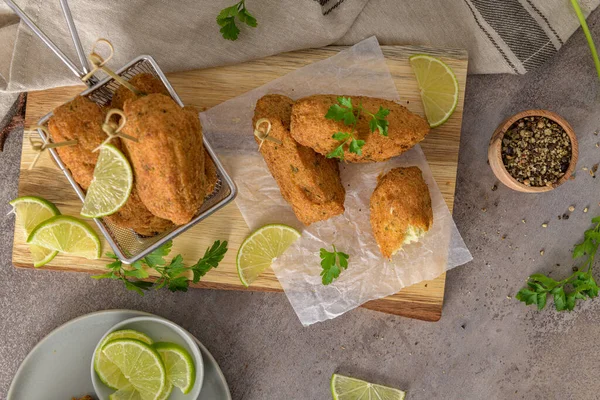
(359, 70)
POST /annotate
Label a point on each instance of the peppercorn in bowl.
(533, 151)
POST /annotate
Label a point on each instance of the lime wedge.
(111, 186)
(127, 393)
(179, 364)
(439, 87)
(259, 250)
(140, 364)
(346, 388)
(68, 235)
(30, 212)
(108, 372)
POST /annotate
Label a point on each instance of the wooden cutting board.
(209, 87)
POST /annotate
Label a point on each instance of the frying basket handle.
(79, 72)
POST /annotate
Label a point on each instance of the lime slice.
(439, 88)
(140, 364)
(30, 212)
(111, 186)
(179, 364)
(346, 388)
(259, 250)
(166, 391)
(67, 234)
(108, 372)
(127, 393)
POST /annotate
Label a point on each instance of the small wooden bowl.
(495, 151)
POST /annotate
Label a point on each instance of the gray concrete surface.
(486, 346)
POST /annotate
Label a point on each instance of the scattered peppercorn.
(571, 208)
(536, 151)
(565, 216)
(494, 188)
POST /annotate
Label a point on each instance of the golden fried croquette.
(401, 210)
(79, 119)
(310, 128)
(168, 159)
(307, 180)
(210, 170)
(144, 82)
(82, 119)
(134, 215)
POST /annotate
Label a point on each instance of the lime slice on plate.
(30, 212)
(140, 364)
(108, 372)
(68, 235)
(346, 388)
(259, 250)
(179, 364)
(166, 391)
(439, 87)
(127, 393)
(111, 186)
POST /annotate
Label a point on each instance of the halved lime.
(111, 186)
(127, 393)
(259, 250)
(108, 372)
(439, 87)
(346, 388)
(68, 235)
(140, 364)
(179, 364)
(30, 212)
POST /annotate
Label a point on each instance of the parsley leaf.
(332, 263)
(226, 20)
(346, 112)
(581, 285)
(173, 275)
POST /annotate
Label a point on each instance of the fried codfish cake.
(79, 119)
(82, 119)
(168, 159)
(210, 170)
(310, 128)
(307, 180)
(401, 210)
(144, 82)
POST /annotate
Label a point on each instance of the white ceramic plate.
(58, 367)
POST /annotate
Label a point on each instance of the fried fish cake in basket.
(210, 170)
(82, 119)
(168, 159)
(144, 82)
(307, 180)
(310, 128)
(401, 210)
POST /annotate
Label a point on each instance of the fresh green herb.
(173, 275)
(346, 112)
(579, 286)
(588, 35)
(332, 263)
(226, 20)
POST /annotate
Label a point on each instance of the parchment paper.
(359, 70)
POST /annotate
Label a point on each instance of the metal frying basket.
(127, 245)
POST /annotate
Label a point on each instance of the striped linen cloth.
(502, 36)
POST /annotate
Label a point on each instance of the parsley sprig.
(226, 20)
(172, 275)
(346, 112)
(579, 286)
(332, 263)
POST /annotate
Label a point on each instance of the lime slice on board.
(438, 85)
(346, 388)
(140, 364)
(179, 364)
(259, 250)
(111, 186)
(108, 372)
(30, 212)
(68, 235)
